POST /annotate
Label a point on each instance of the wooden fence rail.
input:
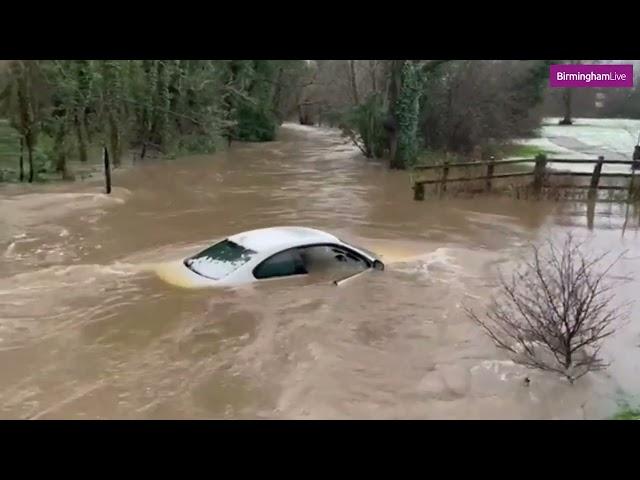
(523, 160)
(539, 173)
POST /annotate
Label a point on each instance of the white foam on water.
(9, 251)
(494, 366)
(440, 263)
(46, 278)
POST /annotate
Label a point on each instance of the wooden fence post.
(418, 191)
(445, 174)
(107, 169)
(538, 173)
(490, 167)
(595, 179)
(591, 213)
(633, 192)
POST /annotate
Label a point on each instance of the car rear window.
(219, 260)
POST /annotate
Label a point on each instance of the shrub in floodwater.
(255, 124)
(554, 312)
(194, 143)
(363, 124)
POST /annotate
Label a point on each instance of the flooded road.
(88, 331)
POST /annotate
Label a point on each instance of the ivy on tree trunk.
(407, 110)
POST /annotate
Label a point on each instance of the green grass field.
(500, 152)
(526, 151)
(627, 413)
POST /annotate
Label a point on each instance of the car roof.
(269, 239)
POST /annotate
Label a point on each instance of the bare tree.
(373, 65)
(459, 111)
(554, 313)
(353, 80)
(567, 97)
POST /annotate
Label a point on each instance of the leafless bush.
(555, 311)
(477, 103)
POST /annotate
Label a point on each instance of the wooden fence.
(539, 174)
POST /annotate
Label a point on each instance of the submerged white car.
(271, 253)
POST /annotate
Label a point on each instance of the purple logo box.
(591, 76)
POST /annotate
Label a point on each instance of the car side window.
(350, 259)
(281, 264)
(322, 257)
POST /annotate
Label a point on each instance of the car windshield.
(219, 260)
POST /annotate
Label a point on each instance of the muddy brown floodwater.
(87, 331)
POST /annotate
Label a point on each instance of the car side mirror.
(378, 265)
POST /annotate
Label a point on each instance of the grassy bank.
(626, 412)
(499, 152)
(524, 151)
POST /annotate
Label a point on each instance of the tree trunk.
(370, 145)
(277, 95)
(567, 358)
(29, 141)
(145, 110)
(89, 132)
(354, 82)
(112, 106)
(22, 159)
(304, 115)
(58, 148)
(82, 136)
(567, 94)
(391, 100)
(372, 71)
(26, 112)
(114, 139)
(82, 94)
(407, 111)
(229, 104)
(107, 169)
(163, 104)
(175, 91)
